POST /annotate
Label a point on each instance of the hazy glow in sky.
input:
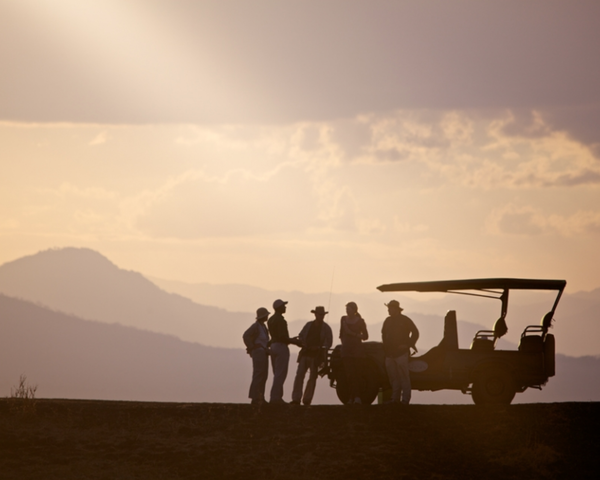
(271, 145)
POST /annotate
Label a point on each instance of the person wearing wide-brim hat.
(316, 338)
(399, 334)
(256, 339)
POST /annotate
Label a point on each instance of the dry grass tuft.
(22, 398)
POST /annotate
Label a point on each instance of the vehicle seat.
(450, 340)
(434, 358)
(532, 338)
(485, 340)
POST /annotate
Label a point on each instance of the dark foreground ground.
(73, 439)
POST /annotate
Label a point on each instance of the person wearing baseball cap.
(256, 339)
(316, 338)
(399, 334)
(280, 351)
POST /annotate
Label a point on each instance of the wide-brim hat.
(262, 312)
(393, 303)
(278, 303)
(319, 310)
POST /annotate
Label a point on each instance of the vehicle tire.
(371, 385)
(342, 390)
(494, 385)
(549, 355)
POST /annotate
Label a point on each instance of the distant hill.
(68, 357)
(577, 325)
(72, 358)
(86, 284)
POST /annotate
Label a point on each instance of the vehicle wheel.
(371, 386)
(494, 386)
(341, 389)
(549, 355)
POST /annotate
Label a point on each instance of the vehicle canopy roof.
(488, 286)
(475, 284)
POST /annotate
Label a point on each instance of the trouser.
(260, 372)
(397, 369)
(305, 364)
(354, 367)
(280, 357)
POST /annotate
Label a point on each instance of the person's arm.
(414, 334)
(249, 336)
(363, 331)
(304, 333)
(328, 337)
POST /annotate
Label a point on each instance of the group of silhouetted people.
(269, 337)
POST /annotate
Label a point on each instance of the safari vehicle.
(490, 375)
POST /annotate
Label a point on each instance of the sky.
(306, 146)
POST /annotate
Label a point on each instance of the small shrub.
(22, 397)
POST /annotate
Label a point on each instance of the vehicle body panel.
(480, 370)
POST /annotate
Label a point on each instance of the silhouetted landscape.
(182, 166)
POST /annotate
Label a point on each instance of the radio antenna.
(331, 288)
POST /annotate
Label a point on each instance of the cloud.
(519, 221)
(238, 204)
(584, 177)
(530, 221)
(99, 139)
(525, 123)
(194, 62)
(502, 149)
(579, 122)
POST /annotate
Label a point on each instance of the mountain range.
(81, 327)
(86, 284)
(68, 357)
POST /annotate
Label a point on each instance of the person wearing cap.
(316, 338)
(280, 351)
(256, 339)
(353, 331)
(399, 334)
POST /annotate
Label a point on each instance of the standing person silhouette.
(316, 338)
(256, 339)
(353, 331)
(280, 352)
(399, 334)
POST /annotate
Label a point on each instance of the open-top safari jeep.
(490, 375)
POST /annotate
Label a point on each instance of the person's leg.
(404, 374)
(299, 380)
(309, 392)
(262, 372)
(280, 356)
(275, 361)
(393, 374)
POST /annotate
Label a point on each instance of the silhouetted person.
(399, 334)
(280, 352)
(353, 331)
(256, 339)
(316, 338)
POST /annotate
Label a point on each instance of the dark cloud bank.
(282, 62)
